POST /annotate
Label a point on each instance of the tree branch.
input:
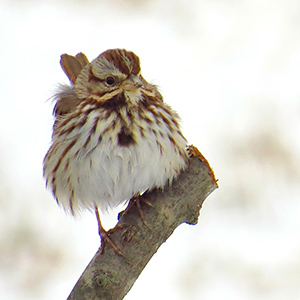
(109, 276)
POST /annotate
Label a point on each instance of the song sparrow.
(113, 135)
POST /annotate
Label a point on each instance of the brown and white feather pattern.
(112, 142)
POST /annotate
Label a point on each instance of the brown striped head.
(114, 74)
(126, 61)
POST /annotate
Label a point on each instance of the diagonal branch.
(109, 276)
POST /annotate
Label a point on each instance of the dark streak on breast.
(125, 137)
(87, 142)
(63, 154)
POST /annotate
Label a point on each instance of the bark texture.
(109, 276)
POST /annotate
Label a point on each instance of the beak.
(131, 84)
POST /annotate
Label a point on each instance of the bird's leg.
(104, 235)
(136, 200)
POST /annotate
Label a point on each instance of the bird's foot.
(136, 200)
(104, 236)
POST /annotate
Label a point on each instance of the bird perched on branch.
(113, 138)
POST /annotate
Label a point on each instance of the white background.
(232, 71)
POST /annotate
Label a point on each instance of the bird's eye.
(110, 80)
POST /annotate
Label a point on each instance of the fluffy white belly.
(107, 174)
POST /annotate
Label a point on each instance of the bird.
(113, 137)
